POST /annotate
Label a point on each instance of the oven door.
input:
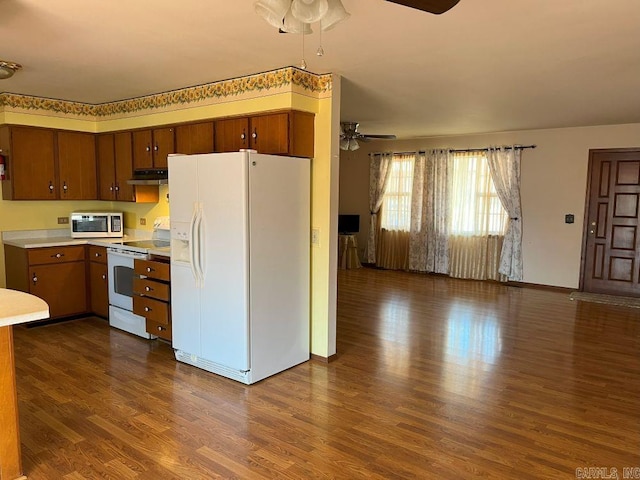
(121, 275)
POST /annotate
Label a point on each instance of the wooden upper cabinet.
(106, 167)
(279, 133)
(77, 166)
(301, 134)
(30, 157)
(142, 144)
(195, 138)
(115, 164)
(151, 148)
(124, 166)
(270, 133)
(231, 134)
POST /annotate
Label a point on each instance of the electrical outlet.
(315, 237)
(63, 220)
(143, 221)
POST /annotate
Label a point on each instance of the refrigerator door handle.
(192, 246)
(201, 242)
(197, 240)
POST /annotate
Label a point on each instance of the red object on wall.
(2, 164)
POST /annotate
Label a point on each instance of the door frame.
(585, 227)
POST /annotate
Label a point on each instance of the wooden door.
(124, 166)
(611, 252)
(232, 134)
(32, 164)
(142, 156)
(270, 133)
(77, 166)
(106, 167)
(194, 138)
(62, 286)
(163, 145)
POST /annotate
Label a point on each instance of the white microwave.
(96, 224)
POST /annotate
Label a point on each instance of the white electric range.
(121, 257)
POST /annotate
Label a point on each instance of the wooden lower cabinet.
(152, 289)
(99, 281)
(55, 274)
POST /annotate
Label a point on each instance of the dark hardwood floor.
(435, 379)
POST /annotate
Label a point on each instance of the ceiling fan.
(432, 6)
(349, 136)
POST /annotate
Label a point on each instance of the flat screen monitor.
(348, 224)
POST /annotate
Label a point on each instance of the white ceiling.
(484, 66)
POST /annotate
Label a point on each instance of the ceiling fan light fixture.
(294, 16)
(272, 11)
(7, 69)
(335, 15)
(293, 25)
(350, 144)
(309, 11)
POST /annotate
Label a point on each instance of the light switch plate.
(315, 237)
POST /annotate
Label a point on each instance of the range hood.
(156, 176)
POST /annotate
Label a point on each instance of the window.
(475, 206)
(396, 206)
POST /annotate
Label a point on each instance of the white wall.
(554, 181)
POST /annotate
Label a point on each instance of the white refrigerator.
(240, 262)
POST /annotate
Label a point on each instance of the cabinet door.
(231, 134)
(301, 134)
(77, 166)
(99, 286)
(163, 145)
(106, 167)
(142, 156)
(63, 286)
(270, 133)
(124, 166)
(32, 164)
(194, 138)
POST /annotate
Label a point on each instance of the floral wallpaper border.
(283, 79)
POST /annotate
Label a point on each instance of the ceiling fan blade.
(387, 137)
(432, 6)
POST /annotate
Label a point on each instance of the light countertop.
(19, 307)
(55, 239)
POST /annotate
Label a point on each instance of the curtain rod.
(463, 150)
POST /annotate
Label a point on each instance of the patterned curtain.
(379, 170)
(504, 165)
(428, 250)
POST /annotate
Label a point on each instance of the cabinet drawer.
(161, 330)
(97, 254)
(42, 256)
(150, 288)
(151, 309)
(152, 269)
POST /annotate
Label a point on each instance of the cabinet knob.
(98, 254)
(50, 187)
(117, 187)
(160, 329)
(254, 135)
(147, 309)
(243, 135)
(148, 149)
(34, 279)
(147, 288)
(111, 188)
(104, 277)
(57, 255)
(149, 270)
(64, 187)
